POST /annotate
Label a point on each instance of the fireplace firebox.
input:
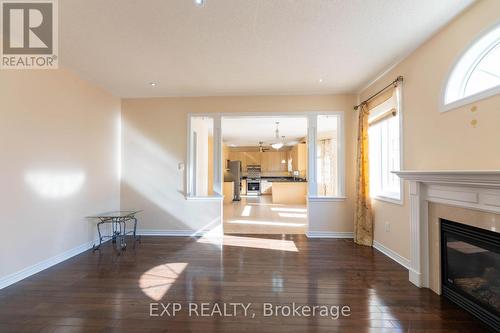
(470, 264)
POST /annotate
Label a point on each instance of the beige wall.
(434, 140)
(59, 143)
(154, 143)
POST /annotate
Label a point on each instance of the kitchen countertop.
(283, 179)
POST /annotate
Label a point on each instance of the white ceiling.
(248, 131)
(242, 47)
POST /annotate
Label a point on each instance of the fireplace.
(470, 264)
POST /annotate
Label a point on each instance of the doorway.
(265, 184)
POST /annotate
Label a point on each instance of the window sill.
(388, 199)
(325, 199)
(216, 197)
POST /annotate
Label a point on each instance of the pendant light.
(279, 143)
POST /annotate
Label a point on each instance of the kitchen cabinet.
(271, 161)
(265, 187)
(298, 156)
(246, 158)
(252, 158)
(228, 192)
(243, 187)
(290, 193)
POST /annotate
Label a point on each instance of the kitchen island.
(289, 192)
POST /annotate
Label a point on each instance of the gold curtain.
(363, 223)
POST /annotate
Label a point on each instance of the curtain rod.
(395, 82)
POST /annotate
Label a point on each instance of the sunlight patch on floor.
(215, 237)
(293, 215)
(289, 210)
(246, 211)
(264, 204)
(157, 281)
(252, 242)
(270, 223)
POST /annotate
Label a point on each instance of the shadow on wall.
(152, 182)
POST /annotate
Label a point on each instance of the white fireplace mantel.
(479, 190)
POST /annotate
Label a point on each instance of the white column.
(419, 250)
(217, 158)
(311, 148)
(189, 163)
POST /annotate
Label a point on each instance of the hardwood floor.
(103, 292)
(258, 215)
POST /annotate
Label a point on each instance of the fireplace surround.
(469, 198)
(474, 190)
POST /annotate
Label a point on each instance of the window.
(477, 74)
(384, 140)
(327, 156)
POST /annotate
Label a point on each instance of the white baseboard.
(391, 254)
(38, 267)
(416, 278)
(328, 234)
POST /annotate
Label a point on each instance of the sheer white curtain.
(326, 167)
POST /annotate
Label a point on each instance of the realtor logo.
(29, 34)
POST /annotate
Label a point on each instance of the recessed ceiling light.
(199, 3)
(320, 80)
(152, 84)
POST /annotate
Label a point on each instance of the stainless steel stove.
(253, 179)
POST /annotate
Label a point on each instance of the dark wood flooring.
(103, 292)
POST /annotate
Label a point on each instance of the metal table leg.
(113, 231)
(118, 231)
(136, 238)
(123, 245)
(94, 248)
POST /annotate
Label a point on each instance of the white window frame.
(463, 66)
(383, 196)
(311, 169)
(217, 160)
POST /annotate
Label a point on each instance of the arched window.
(477, 73)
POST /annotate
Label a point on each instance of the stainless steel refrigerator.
(235, 171)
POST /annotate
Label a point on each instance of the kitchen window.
(385, 149)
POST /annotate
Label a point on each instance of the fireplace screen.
(471, 269)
